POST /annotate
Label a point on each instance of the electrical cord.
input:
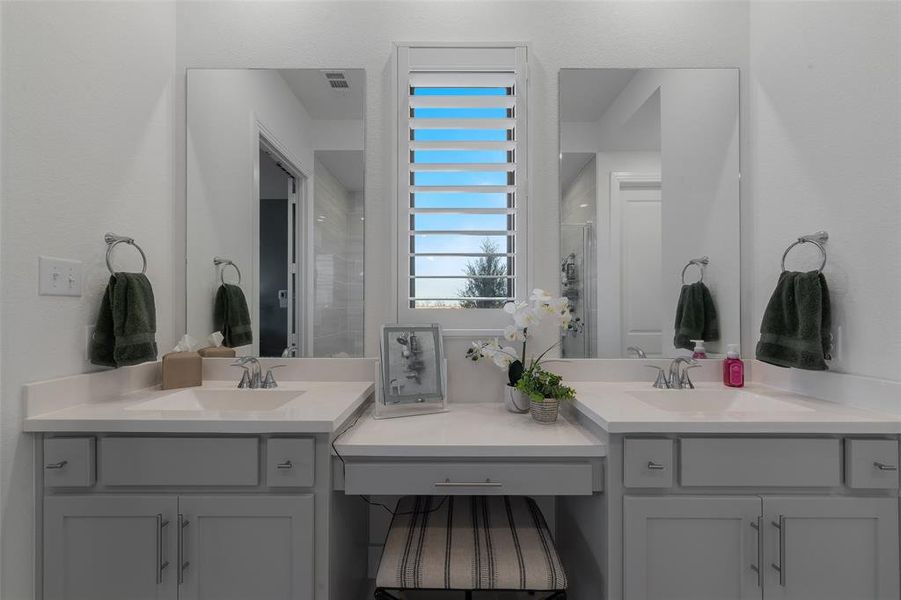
(367, 499)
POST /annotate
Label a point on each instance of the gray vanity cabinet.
(258, 547)
(703, 548)
(809, 547)
(110, 547)
(831, 548)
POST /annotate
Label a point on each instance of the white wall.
(577, 34)
(87, 148)
(222, 218)
(825, 92)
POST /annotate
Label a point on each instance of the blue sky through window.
(425, 243)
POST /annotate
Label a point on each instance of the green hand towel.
(695, 316)
(795, 331)
(231, 317)
(126, 326)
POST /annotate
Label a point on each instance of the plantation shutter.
(461, 178)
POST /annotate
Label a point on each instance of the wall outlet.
(59, 276)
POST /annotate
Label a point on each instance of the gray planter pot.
(515, 401)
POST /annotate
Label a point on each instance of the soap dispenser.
(700, 351)
(733, 368)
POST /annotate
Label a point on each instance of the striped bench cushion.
(470, 543)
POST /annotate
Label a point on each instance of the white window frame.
(463, 58)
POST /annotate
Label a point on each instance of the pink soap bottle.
(699, 351)
(733, 368)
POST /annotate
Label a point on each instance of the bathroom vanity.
(715, 493)
(706, 493)
(206, 492)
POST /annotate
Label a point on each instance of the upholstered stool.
(468, 544)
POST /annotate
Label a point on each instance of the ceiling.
(345, 165)
(320, 100)
(585, 94)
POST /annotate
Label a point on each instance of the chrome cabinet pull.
(161, 563)
(780, 525)
(285, 465)
(756, 567)
(486, 483)
(652, 466)
(182, 563)
(58, 465)
(885, 467)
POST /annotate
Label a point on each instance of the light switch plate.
(59, 276)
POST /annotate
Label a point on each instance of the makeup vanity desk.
(472, 449)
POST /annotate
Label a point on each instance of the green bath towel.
(795, 331)
(231, 317)
(695, 316)
(126, 326)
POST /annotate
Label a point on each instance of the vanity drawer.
(69, 462)
(760, 462)
(647, 463)
(484, 479)
(289, 462)
(871, 464)
(179, 461)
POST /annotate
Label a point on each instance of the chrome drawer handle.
(885, 467)
(652, 466)
(285, 465)
(486, 483)
(780, 566)
(58, 465)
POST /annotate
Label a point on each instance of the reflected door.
(637, 203)
(277, 258)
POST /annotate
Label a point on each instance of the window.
(461, 184)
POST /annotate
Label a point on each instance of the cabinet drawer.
(179, 461)
(647, 463)
(871, 464)
(289, 462)
(446, 478)
(69, 462)
(762, 462)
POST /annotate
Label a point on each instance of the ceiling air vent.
(337, 80)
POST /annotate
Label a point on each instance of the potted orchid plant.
(522, 391)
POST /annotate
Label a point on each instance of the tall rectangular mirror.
(275, 210)
(649, 207)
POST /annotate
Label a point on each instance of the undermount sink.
(714, 401)
(221, 400)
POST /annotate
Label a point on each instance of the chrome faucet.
(637, 351)
(252, 377)
(678, 378)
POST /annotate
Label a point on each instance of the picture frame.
(412, 371)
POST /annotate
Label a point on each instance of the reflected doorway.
(280, 186)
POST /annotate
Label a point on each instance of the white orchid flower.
(513, 334)
(525, 317)
(504, 357)
(540, 295)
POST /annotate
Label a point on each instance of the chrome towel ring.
(112, 240)
(225, 262)
(817, 239)
(700, 263)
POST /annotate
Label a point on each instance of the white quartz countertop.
(467, 430)
(636, 407)
(294, 407)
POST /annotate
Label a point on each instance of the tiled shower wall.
(338, 267)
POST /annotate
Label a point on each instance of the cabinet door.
(831, 548)
(691, 548)
(240, 547)
(109, 547)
